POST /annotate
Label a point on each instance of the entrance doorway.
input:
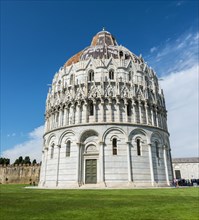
(91, 171)
(178, 174)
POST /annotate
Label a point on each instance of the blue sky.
(37, 38)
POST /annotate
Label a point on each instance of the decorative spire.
(103, 29)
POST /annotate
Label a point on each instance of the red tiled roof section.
(94, 41)
(73, 59)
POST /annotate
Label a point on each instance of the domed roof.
(103, 45)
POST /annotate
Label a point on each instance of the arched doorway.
(91, 156)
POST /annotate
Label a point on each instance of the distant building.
(105, 121)
(186, 168)
(19, 174)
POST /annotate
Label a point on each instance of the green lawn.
(21, 203)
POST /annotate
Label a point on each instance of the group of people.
(184, 182)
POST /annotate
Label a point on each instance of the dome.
(105, 122)
(103, 45)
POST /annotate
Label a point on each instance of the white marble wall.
(123, 168)
(188, 170)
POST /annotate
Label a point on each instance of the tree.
(20, 160)
(4, 161)
(16, 161)
(34, 162)
(7, 161)
(27, 160)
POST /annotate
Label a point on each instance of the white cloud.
(11, 135)
(32, 147)
(175, 55)
(179, 3)
(176, 61)
(153, 49)
(181, 94)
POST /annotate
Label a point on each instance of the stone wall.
(19, 174)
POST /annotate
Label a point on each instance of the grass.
(17, 202)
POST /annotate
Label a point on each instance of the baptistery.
(105, 122)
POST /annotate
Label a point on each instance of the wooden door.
(91, 171)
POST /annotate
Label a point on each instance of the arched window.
(114, 146)
(146, 80)
(68, 144)
(71, 79)
(130, 75)
(121, 54)
(91, 75)
(111, 74)
(91, 108)
(138, 147)
(59, 85)
(52, 151)
(157, 149)
(129, 109)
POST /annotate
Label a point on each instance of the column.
(118, 110)
(140, 111)
(56, 115)
(58, 160)
(125, 109)
(131, 118)
(94, 110)
(73, 114)
(55, 122)
(79, 179)
(85, 112)
(156, 116)
(134, 116)
(52, 120)
(60, 118)
(46, 124)
(110, 110)
(165, 164)
(161, 120)
(45, 164)
(102, 110)
(147, 114)
(129, 161)
(65, 115)
(152, 116)
(81, 163)
(101, 161)
(151, 164)
(49, 124)
(170, 160)
(166, 121)
(79, 112)
(41, 175)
